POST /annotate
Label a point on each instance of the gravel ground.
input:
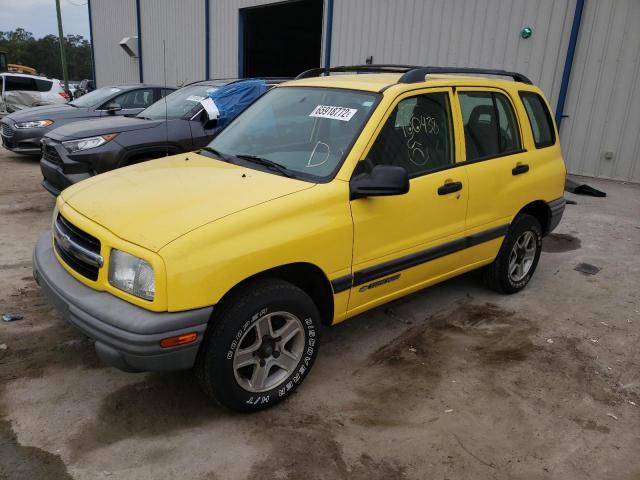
(454, 382)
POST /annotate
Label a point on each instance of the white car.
(19, 91)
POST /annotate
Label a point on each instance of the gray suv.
(173, 125)
(22, 131)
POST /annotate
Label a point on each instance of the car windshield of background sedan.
(307, 130)
(95, 98)
(178, 103)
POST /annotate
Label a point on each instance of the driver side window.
(418, 135)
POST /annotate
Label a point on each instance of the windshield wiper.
(217, 153)
(267, 163)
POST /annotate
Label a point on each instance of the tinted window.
(417, 136)
(141, 98)
(539, 118)
(490, 127)
(165, 91)
(95, 98)
(43, 85)
(20, 83)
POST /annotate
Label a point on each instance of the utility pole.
(63, 58)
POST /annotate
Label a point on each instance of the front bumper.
(55, 179)
(126, 336)
(25, 141)
(60, 169)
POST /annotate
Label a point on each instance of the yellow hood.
(152, 203)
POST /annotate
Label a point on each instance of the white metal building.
(585, 54)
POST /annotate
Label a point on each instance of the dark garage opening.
(281, 40)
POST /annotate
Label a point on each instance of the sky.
(39, 16)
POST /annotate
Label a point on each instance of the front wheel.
(261, 346)
(518, 257)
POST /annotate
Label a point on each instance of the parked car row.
(327, 196)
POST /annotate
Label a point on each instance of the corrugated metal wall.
(181, 24)
(603, 105)
(479, 33)
(112, 20)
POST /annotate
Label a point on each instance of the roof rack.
(413, 73)
(377, 68)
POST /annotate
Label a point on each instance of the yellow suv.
(330, 195)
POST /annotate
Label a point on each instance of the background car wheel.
(518, 256)
(261, 345)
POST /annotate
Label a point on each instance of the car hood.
(49, 112)
(152, 203)
(101, 126)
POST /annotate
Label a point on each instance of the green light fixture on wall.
(526, 32)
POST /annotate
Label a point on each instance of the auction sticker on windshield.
(334, 113)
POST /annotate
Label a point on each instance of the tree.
(43, 54)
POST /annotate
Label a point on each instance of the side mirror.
(113, 107)
(207, 123)
(382, 181)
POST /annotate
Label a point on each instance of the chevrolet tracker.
(330, 195)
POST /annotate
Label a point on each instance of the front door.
(401, 243)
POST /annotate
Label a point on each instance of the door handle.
(450, 187)
(520, 169)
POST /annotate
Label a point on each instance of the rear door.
(403, 242)
(497, 165)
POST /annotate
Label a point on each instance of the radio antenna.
(166, 114)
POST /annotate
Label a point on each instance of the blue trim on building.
(93, 56)
(138, 23)
(568, 63)
(241, 21)
(327, 35)
(206, 40)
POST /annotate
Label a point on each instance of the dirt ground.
(454, 382)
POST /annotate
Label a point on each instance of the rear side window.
(539, 118)
(43, 85)
(24, 84)
(490, 127)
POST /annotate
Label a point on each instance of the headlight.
(34, 124)
(131, 274)
(87, 143)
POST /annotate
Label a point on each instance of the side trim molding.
(393, 266)
(341, 284)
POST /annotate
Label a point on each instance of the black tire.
(235, 325)
(496, 275)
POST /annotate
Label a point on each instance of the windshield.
(178, 103)
(307, 130)
(95, 98)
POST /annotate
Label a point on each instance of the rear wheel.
(260, 347)
(518, 256)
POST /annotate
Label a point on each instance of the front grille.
(51, 154)
(77, 248)
(7, 131)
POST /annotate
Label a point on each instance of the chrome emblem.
(64, 241)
